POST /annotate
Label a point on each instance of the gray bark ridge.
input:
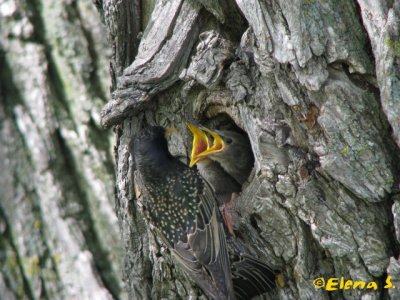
(162, 53)
(320, 113)
(59, 233)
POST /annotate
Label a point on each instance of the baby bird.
(251, 277)
(232, 151)
(223, 184)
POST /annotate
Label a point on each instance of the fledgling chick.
(182, 207)
(225, 187)
(232, 151)
(251, 277)
(223, 184)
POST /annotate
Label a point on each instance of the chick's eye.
(228, 141)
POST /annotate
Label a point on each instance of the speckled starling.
(182, 208)
(232, 150)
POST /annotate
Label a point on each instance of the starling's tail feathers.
(209, 247)
(251, 277)
(194, 269)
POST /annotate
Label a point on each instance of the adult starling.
(181, 206)
(232, 150)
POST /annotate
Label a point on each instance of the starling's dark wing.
(251, 277)
(191, 265)
(206, 247)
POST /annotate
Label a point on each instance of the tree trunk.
(59, 233)
(315, 84)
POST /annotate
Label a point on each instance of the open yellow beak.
(217, 146)
(200, 143)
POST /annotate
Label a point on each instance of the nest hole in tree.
(238, 154)
(223, 121)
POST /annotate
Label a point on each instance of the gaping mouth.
(217, 146)
(201, 146)
(200, 143)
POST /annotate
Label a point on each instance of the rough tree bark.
(315, 84)
(59, 236)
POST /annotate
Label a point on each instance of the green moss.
(12, 261)
(393, 45)
(32, 265)
(57, 258)
(11, 269)
(345, 150)
(37, 224)
(362, 148)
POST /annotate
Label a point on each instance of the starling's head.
(151, 145)
(152, 135)
(220, 143)
(225, 141)
(200, 144)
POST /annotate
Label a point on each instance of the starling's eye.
(228, 141)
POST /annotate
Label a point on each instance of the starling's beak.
(217, 146)
(200, 143)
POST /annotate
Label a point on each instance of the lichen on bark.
(314, 84)
(300, 78)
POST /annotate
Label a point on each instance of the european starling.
(181, 206)
(225, 187)
(223, 184)
(251, 277)
(232, 151)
